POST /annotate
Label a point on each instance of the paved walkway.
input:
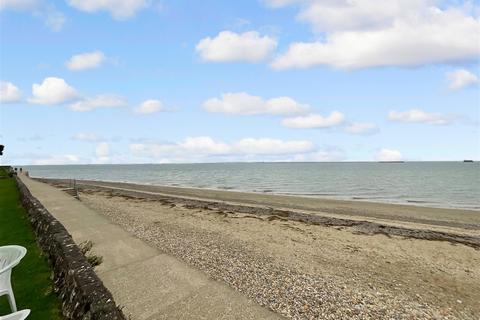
(149, 284)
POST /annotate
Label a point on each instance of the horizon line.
(242, 162)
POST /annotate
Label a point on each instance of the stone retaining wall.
(83, 295)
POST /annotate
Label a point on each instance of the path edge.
(81, 291)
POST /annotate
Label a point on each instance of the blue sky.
(137, 81)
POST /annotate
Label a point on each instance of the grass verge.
(31, 279)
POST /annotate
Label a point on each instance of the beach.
(353, 259)
(269, 159)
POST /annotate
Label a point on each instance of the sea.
(432, 184)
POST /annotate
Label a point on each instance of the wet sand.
(361, 260)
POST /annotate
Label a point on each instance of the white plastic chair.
(20, 315)
(10, 256)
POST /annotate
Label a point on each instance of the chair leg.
(11, 301)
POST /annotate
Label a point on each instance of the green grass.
(31, 279)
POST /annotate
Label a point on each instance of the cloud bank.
(419, 116)
(242, 103)
(204, 148)
(312, 121)
(100, 101)
(368, 33)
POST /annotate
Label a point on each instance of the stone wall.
(83, 294)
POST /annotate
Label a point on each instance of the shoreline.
(351, 209)
(352, 199)
(365, 219)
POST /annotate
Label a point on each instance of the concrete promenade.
(148, 284)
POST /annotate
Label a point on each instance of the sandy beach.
(308, 258)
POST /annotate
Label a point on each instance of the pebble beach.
(307, 271)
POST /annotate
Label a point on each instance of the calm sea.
(436, 184)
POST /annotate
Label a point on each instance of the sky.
(146, 81)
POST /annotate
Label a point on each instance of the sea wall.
(83, 295)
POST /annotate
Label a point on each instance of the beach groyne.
(82, 293)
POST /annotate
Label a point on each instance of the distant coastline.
(391, 161)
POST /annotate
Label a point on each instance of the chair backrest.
(19, 315)
(10, 256)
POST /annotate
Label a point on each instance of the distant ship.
(467, 160)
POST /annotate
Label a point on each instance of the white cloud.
(361, 128)
(86, 136)
(315, 121)
(52, 91)
(460, 79)
(230, 46)
(119, 9)
(419, 116)
(192, 146)
(57, 160)
(9, 92)
(244, 104)
(84, 61)
(203, 148)
(100, 101)
(203, 145)
(388, 155)
(150, 106)
(358, 36)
